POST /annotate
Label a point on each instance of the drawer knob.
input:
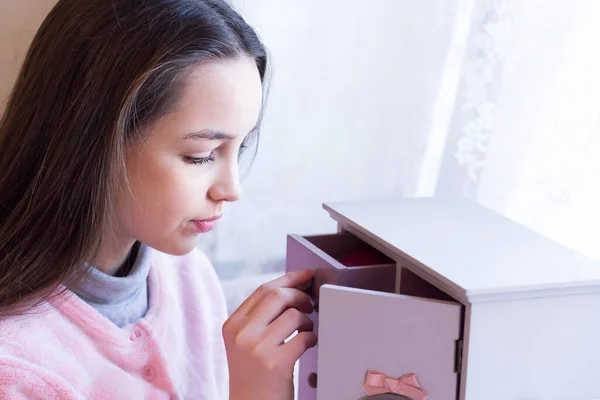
(312, 380)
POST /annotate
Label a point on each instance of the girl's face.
(181, 177)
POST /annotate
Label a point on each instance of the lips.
(206, 225)
(216, 217)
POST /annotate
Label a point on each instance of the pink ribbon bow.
(407, 385)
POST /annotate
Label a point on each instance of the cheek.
(182, 192)
(166, 192)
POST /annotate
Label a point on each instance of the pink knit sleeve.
(206, 281)
(20, 380)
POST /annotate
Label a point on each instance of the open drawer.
(362, 325)
(340, 259)
(392, 334)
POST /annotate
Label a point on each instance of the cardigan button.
(136, 334)
(149, 373)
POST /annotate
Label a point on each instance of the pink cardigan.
(176, 351)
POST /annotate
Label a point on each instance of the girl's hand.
(261, 365)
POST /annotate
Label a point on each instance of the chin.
(179, 247)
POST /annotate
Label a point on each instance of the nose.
(226, 186)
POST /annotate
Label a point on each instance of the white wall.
(19, 19)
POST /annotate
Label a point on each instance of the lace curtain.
(528, 115)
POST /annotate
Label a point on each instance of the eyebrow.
(208, 134)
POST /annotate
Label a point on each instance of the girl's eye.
(199, 161)
(243, 147)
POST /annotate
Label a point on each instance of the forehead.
(223, 95)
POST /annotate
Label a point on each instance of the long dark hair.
(97, 73)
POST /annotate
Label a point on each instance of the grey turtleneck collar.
(123, 300)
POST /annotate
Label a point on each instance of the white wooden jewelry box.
(477, 306)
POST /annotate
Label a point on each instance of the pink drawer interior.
(341, 259)
(348, 250)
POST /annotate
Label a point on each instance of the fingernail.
(305, 287)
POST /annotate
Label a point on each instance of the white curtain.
(529, 113)
(496, 100)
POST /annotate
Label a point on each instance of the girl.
(118, 147)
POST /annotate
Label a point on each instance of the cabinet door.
(363, 330)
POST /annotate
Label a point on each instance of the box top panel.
(470, 251)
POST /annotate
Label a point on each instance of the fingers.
(293, 349)
(269, 316)
(286, 324)
(276, 302)
(289, 280)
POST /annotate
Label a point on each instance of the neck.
(113, 255)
